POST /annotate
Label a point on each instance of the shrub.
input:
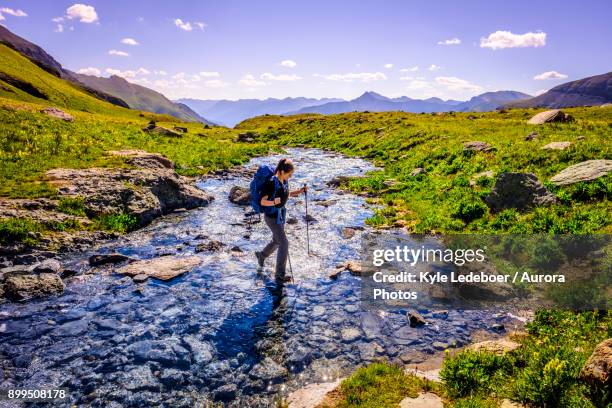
(471, 372)
(469, 210)
(72, 206)
(119, 222)
(18, 230)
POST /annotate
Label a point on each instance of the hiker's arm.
(298, 192)
(269, 203)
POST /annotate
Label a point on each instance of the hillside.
(591, 91)
(229, 113)
(490, 101)
(373, 102)
(140, 97)
(431, 182)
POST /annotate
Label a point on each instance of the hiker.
(274, 194)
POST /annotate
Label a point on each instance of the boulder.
(104, 259)
(506, 403)
(554, 115)
(518, 190)
(145, 193)
(247, 137)
(338, 181)
(557, 146)
(161, 131)
(58, 114)
(312, 395)
(181, 129)
(22, 287)
(584, 171)
(597, 370)
(142, 159)
(415, 319)
(48, 266)
(164, 268)
(240, 195)
(477, 147)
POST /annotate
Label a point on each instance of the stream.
(220, 332)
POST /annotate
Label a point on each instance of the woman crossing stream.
(217, 332)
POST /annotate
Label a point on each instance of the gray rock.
(532, 136)
(103, 259)
(22, 287)
(240, 195)
(140, 378)
(557, 146)
(348, 232)
(161, 131)
(415, 318)
(172, 377)
(202, 351)
(584, 171)
(58, 114)
(48, 266)
(518, 190)
(268, 370)
(478, 147)
(554, 115)
(71, 329)
(211, 246)
(350, 334)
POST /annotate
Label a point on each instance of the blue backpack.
(262, 176)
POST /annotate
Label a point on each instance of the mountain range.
(230, 113)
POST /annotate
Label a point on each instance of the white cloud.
(418, 84)
(59, 28)
(271, 77)
(210, 74)
(411, 69)
(350, 77)
(388, 66)
(457, 84)
(161, 72)
(143, 71)
(187, 26)
(180, 75)
(452, 41)
(90, 71)
(130, 41)
(250, 81)
(13, 12)
(550, 75)
(288, 63)
(57, 19)
(434, 67)
(124, 74)
(118, 53)
(82, 12)
(2, 17)
(215, 83)
(507, 39)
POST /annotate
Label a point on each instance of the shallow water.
(220, 332)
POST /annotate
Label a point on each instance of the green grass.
(378, 385)
(444, 199)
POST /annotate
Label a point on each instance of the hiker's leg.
(272, 245)
(283, 251)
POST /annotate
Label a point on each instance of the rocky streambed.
(219, 330)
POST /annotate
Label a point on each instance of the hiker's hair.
(284, 165)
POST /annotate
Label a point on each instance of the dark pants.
(280, 242)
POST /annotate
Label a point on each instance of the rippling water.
(222, 331)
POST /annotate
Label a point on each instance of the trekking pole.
(307, 220)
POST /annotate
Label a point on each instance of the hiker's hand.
(277, 201)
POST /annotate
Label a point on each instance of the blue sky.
(335, 48)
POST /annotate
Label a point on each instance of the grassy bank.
(542, 372)
(447, 195)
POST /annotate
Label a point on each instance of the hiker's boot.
(260, 259)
